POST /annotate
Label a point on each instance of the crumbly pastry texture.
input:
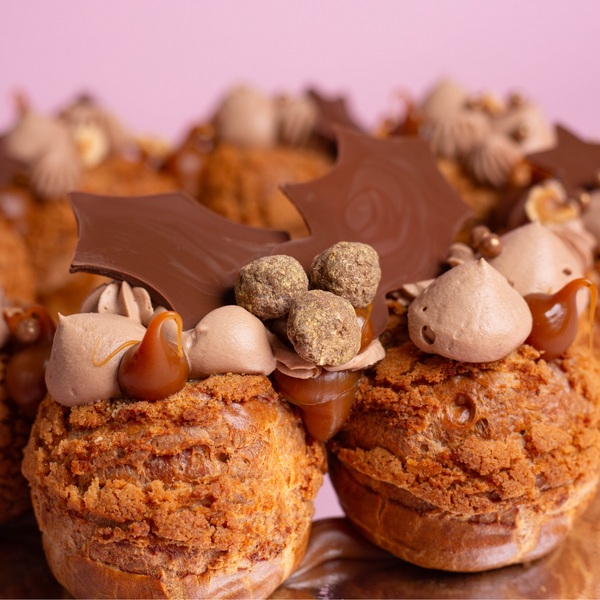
(242, 184)
(214, 481)
(508, 449)
(14, 433)
(17, 278)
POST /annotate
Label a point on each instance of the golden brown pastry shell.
(36, 262)
(242, 184)
(468, 467)
(207, 493)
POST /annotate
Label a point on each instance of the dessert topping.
(493, 161)
(348, 269)
(385, 193)
(482, 239)
(228, 340)
(366, 326)
(119, 298)
(525, 123)
(534, 259)
(154, 368)
(489, 136)
(458, 253)
(46, 146)
(555, 318)
(185, 255)
(575, 162)
(470, 314)
(457, 134)
(332, 112)
(325, 401)
(324, 329)
(24, 377)
(297, 119)
(247, 118)
(96, 131)
(268, 286)
(445, 98)
(549, 203)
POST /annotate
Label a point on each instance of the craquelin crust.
(207, 491)
(52, 229)
(16, 274)
(14, 433)
(242, 184)
(467, 467)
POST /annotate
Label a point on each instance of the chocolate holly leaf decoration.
(185, 255)
(385, 193)
(332, 112)
(574, 161)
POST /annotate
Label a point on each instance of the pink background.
(161, 65)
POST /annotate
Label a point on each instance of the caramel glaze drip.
(555, 318)
(366, 325)
(325, 401)
(154, 368)
(32, 332)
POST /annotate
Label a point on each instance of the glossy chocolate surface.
(154, 368)
(185, 255)
(331, 112)
(385, 193)
(325, 401)
(574, 161)
(555, 318)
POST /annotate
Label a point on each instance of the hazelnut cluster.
(321, 322)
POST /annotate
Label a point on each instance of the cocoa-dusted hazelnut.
(323, 328)
(347, 269)
(267, 287)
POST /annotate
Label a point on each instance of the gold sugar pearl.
(490, 245)
(477, 234)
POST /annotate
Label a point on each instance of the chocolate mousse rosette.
(235, 164)
(481, 140)
(42, 158)
(475, 444)
(25, 343)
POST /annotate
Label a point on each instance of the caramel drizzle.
(112, 354)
